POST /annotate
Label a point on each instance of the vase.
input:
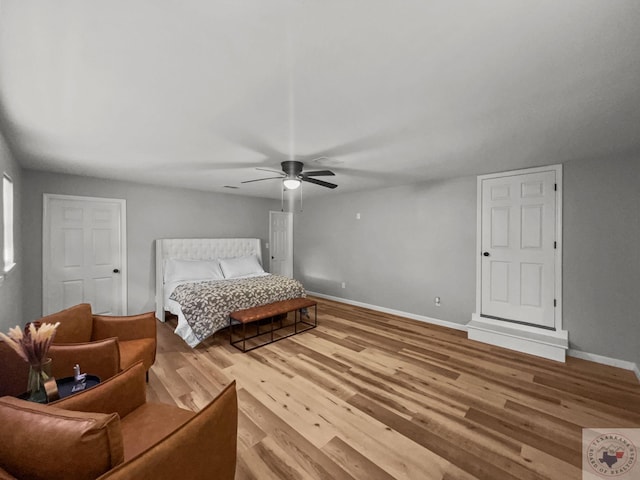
(38, 374)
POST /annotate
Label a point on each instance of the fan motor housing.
(292, 168)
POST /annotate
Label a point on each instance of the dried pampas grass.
(33, 343)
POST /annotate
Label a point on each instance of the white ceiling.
(198, 93)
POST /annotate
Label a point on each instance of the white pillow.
(240, 266)
(180, 270)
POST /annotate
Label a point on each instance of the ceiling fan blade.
(318, 182)
(318, 173)
(270, 170)
(261, 179)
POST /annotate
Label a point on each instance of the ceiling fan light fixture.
(291, 183)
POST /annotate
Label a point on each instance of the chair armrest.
(101, 358)
(120, 394)
(206, 444)
(14, 371)
(132, 327)
(4, 475)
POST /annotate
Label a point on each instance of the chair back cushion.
(44, 442)
(101, 358)
(76, 324)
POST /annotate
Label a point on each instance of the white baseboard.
(518, 344)
(614, 362)
(413, 316)
(542, 343)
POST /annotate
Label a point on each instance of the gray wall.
(413, 243)
(601, 287)
(152, 212)
(11, 288)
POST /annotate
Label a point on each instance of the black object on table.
(68, 386)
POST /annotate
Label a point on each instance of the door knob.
(115, 270)
(486, 254)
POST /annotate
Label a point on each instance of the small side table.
(65, 387)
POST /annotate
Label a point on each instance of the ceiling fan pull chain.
(282, 200)
(300, 197)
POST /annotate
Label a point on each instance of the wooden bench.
(275, 312)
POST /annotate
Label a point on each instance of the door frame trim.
(46, 239)
(558, 227)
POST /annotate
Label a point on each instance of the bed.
(203, 280)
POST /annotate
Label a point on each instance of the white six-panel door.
(84, 254)
(281, 243)
(518, 250)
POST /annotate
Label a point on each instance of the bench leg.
(244, 337)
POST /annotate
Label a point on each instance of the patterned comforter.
(206, 305)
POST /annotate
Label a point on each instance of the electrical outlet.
(344, 285)
(437, 301)
(357, 216)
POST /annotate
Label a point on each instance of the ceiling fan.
(292, 175)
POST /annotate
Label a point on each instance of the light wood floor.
(368, 395)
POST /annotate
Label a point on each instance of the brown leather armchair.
(111, 432)
(136, 339)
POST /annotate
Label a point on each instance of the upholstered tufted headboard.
(198, 249)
